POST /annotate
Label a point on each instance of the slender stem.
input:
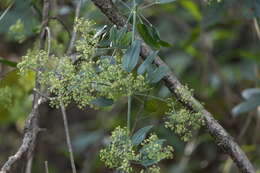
(257, 28)
(65, 121)
(46, 167)
(74, 33)
(129, 114)
(134, 21)
(4, 13)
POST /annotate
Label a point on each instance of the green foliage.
(152, 151)
(89, 79)
(131, 56)
(151, 36)
(7, 62)
(5, 97)
(252, 101)
(15, 99)
(121, 152)
(140, 135)
(16, 31)
(183, 122)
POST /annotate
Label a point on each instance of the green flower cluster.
(185, 92)
(121, 152)
(151, 169)
(183, 122)
(86, 78)
(16, 31)
(152, 150)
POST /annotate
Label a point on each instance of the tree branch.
(31, 128)
(74, 33)
(66, 126)
(222, 139)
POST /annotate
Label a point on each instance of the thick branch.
(221, 137)
(31, 128)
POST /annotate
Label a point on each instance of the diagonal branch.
(222, 139)
(31, 128)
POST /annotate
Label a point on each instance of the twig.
(65, 121)
(4, 13)
(222, 139)
(46, 166)
(74, 33)
(31, 128)
(31, 132)
(129, 113)
(256, 28)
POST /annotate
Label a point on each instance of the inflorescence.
(87, 78)
(121, 153)
(183, 122)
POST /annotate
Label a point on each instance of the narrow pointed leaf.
(147, 62)
(140, 135)
(247, 93)
(7, 62)
(131, 56)
(157, 74)
(246, 106)
(113, 35)
(147, 36)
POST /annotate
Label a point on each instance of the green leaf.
(142, 68)
(131, 56)
(246, 106)
(192, 8)
(147, 35)
(165, 44)
(248, 93)
(151, 36)
(144, 159)
(163, 1)
(102, 102)
(7, 62)
(125, 39)
(113, 35)
(140, 135)
(156, 75)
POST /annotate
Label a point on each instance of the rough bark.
(222, 139)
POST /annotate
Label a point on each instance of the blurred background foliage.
(215, 51)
